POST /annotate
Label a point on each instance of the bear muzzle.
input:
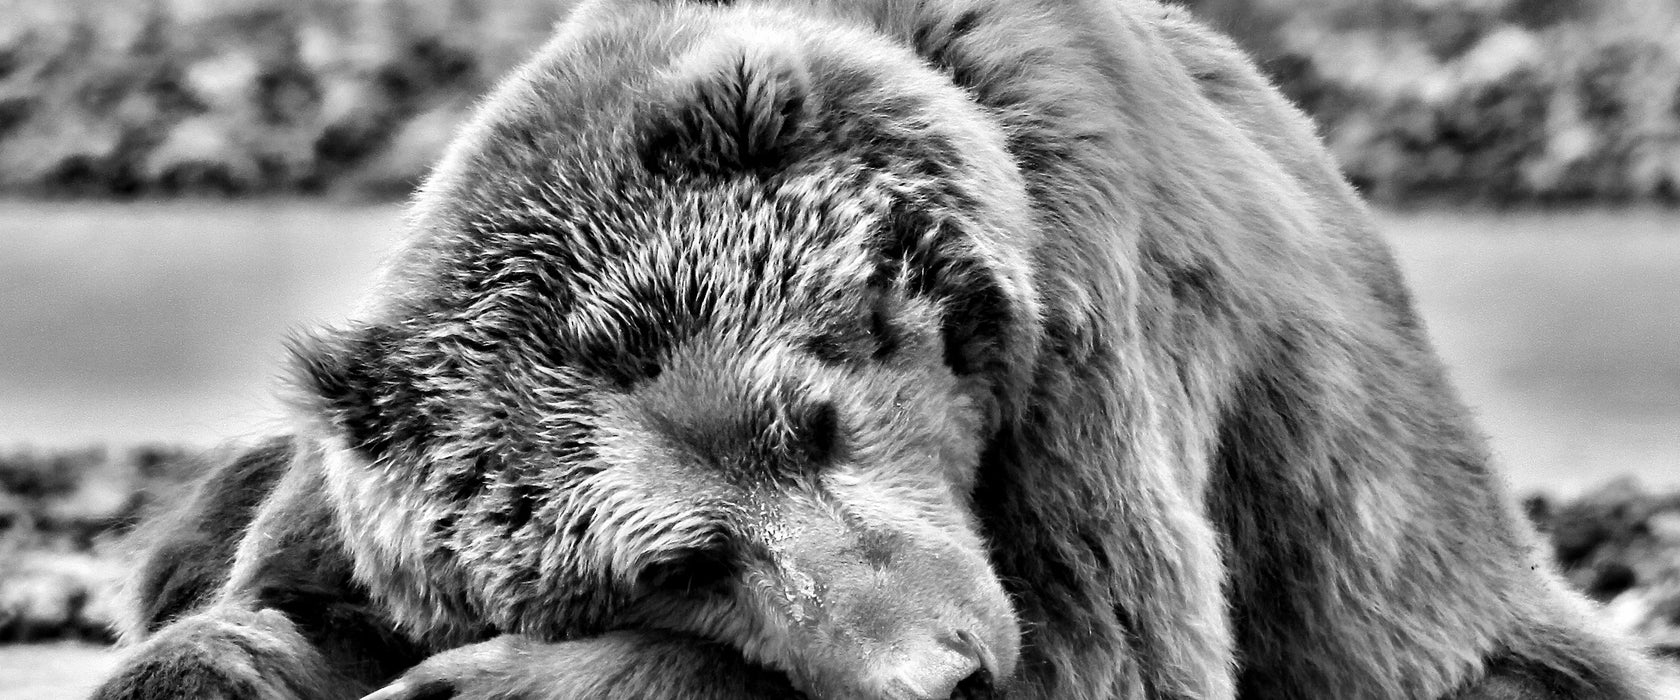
(958, 668)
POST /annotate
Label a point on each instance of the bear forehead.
(599, 281)
(569, 136)
(620, 285)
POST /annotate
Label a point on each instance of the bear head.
(704, 324)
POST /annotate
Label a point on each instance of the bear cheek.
(886, 607)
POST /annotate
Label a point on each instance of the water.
(166, 321)
(41, 671)
(1563, 332)
(141, 322)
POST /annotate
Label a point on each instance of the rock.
(53, 595)
(1621, 545)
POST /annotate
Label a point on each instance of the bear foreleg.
(628, 665)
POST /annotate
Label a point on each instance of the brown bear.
(873, 349)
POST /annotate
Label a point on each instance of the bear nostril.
(948, 669)
(977, 686)
(972, 647)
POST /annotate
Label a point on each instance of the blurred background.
(184, 183)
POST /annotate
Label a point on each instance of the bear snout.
(959, 668)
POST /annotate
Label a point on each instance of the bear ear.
(730, 106)
(344, 384)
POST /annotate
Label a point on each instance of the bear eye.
(858, 340)
(881, 330)
(687, 572)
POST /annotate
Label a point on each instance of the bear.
(873, 349)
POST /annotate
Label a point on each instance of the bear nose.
(977, 686)
(955, 669)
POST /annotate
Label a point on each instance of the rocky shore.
(64, 516)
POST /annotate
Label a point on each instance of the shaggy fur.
(879, 348)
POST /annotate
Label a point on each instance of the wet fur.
(1217, 455)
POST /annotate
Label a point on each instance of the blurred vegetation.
(244, 96)
(1487, 101)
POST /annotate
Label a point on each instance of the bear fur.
(874, 349)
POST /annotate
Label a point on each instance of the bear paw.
(228, 655)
